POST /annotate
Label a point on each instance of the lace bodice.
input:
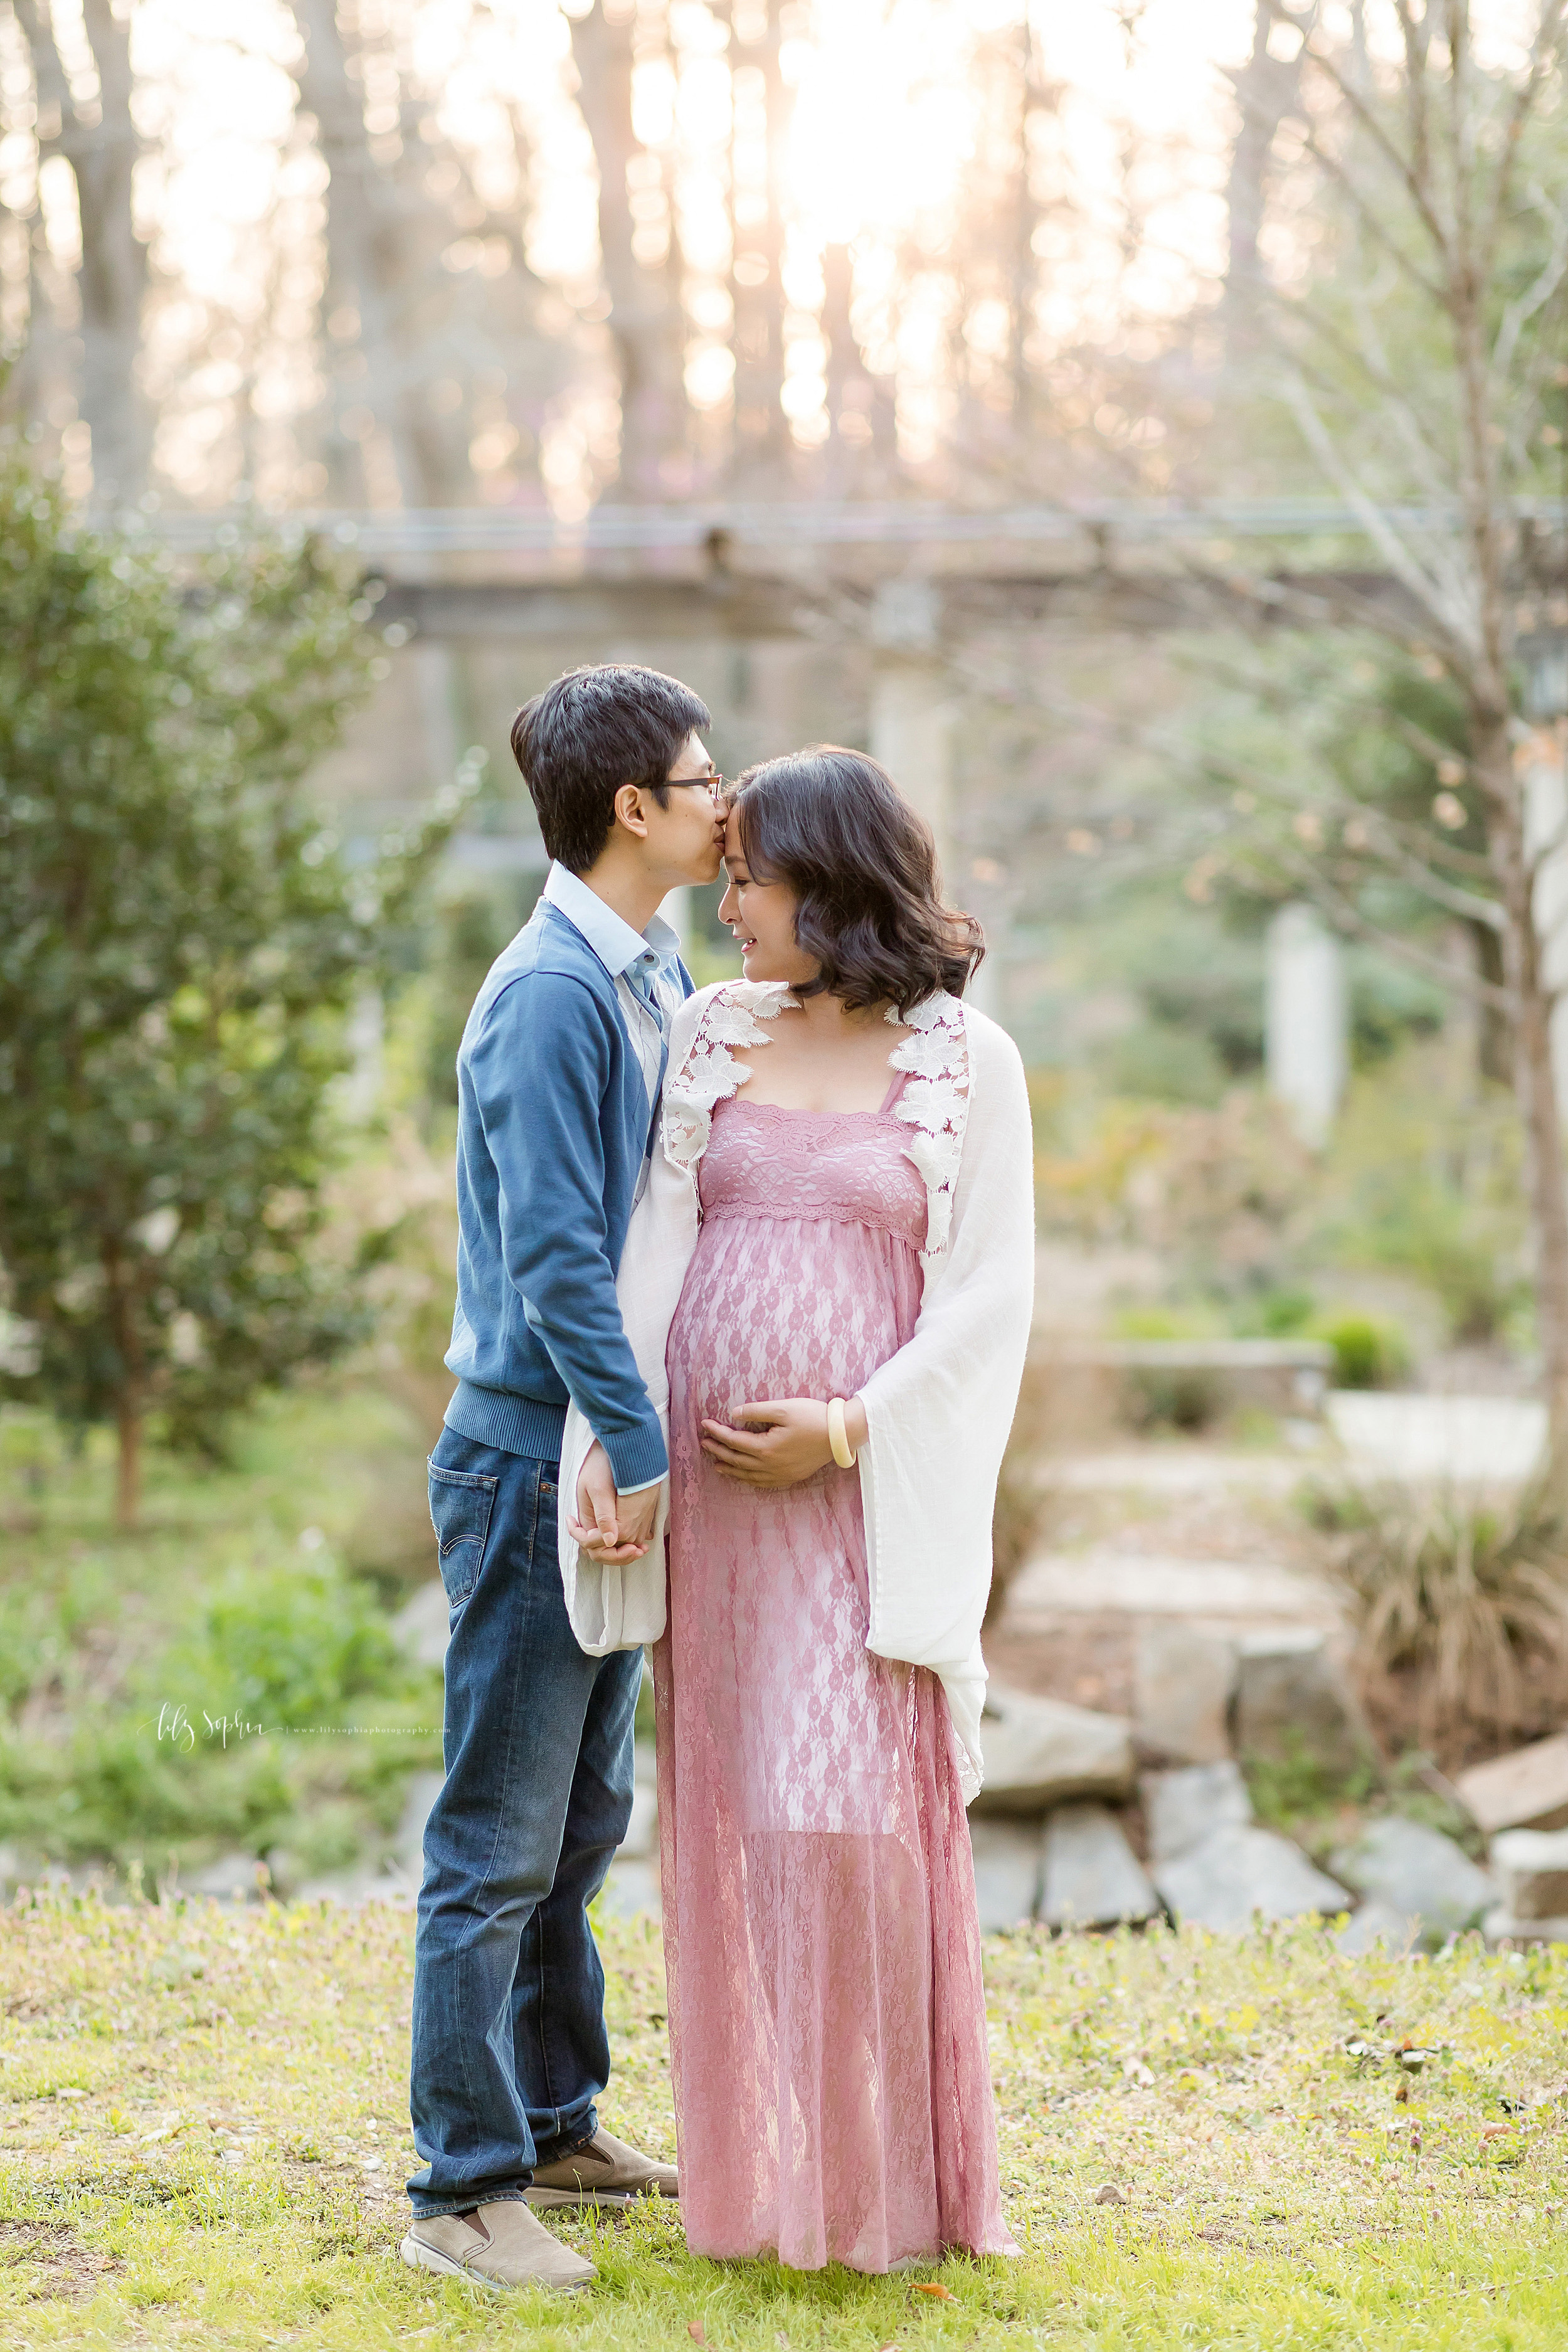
(933, 1104)
(844, 1168)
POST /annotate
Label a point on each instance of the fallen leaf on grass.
(935, 2286)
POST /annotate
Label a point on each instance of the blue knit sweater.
(552, 1130)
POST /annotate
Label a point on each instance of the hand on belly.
(776, 1443)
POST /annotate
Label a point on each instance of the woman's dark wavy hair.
(834, 826)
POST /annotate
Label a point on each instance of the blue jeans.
(509, 2047)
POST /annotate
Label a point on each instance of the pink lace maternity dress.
(832, 2089)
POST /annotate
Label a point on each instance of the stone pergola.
(908, 584)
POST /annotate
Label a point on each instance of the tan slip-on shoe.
(498, 2245)
(603, 2171)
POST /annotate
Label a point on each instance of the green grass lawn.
(204, 2137)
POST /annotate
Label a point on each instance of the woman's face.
(761, 916)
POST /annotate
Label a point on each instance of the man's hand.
(609, 1528)
(787, 1441)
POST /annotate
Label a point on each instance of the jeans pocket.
(461, 1502)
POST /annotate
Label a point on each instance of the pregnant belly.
(777, 1307)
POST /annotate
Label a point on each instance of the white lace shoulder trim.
(936, 1104)
(708, 1072)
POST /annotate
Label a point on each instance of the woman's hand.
(784, 1440)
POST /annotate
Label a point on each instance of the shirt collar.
(612, 938)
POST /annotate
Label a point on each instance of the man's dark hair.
(589, 733)
(862, 863)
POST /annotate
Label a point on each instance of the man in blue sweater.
(558, 1076)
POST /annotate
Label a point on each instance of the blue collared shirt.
(650, 960)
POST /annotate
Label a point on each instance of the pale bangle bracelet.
(844, 1453)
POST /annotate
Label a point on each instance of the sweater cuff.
(637, 1457)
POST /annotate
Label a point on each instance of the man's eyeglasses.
(715, 785)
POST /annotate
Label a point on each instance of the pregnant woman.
(832, 1266)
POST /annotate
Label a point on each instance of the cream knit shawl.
(939, 1412)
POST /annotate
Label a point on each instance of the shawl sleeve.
(613, 1608)
(938, 1413)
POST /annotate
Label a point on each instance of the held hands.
(783, 1440)
(608, 1526)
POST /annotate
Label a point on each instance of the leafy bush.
(1367, 1354)
(1453, 1588)
(181, 941)
(1158, 1062)
(285, 1645)
(1187, 1397)
(1279, 1313)
(120, 1660)
(1424, 1180)
(1219, 1195)
(471, 930)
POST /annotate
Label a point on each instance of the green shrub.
(285, 1645)
(1281, 1314)
(1368, 1354)
(131, 1670)
(1175, 1397)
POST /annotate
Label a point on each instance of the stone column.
(1307, 1025)
(913, 724)
(913, 715)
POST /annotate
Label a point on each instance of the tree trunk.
(130, 1397)
(1024, 271)
(112, 279)
(1534, 1077)
(1268, 91)
(762, 446)
(362, 247)
(1494, 1036)
(645, 320)
(128, 1421)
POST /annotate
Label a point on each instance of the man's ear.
(630, 807)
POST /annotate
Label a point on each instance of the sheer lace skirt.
(828, 2017)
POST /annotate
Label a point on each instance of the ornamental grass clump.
(1454, 1592)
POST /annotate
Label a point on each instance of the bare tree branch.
(1348, 917)
(1369, 218)
(1414, 34)
(1548, 41)
(1425, 456)
(1518, 315)
(1417, 188)
(1456, 629)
